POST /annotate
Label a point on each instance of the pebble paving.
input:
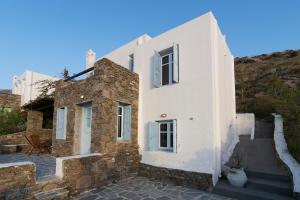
(141, 188)
(45, 164)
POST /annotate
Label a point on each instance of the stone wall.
(84, 172)
(35, 124)
(110, 84)
(15, 179)
(192, 179)
(12, 101)
(15, 138)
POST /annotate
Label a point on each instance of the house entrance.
(86, 125)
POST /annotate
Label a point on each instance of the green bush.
(12, 121)
(287, 103)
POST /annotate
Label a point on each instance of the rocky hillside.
(271, 83)
(255, 76)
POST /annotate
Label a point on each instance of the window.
(61, 123)
(166, 135)
(166, 66)
(162, 135)
(120, 121)
(123, 121)
(131, 62)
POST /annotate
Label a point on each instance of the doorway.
(86, 129)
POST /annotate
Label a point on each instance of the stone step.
(273, 186)
(56, 194)
(225, 189)
(268, 176)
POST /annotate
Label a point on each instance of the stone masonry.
(35, 125)
(109, 85)
(179, 177)
(12, 101)
(15, 179)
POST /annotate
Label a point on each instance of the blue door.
(86, 129)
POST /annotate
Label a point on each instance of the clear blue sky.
(45, 36)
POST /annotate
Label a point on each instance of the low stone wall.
(284, 155)
(15, 138)
(12, 101)
(193, 179)
(83, 172)
(15, 179)
(245, 124)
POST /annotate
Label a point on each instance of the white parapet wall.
(283, 152)
(245, 124)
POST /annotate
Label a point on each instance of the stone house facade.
(102, 92)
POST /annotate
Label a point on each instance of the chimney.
(90, 59)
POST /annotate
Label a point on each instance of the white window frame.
(170, 57)
(168, 147)
(122, 122)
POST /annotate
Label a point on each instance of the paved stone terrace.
(141, 188)
(45, 164)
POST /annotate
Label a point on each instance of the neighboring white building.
(25, 85)
(187, 96)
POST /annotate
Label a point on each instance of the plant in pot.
(236, 175)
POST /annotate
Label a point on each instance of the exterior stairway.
(267, 178)
(51, 188)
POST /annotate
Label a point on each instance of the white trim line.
(284, 155)
(15, 164)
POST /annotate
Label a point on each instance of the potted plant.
(236, 174)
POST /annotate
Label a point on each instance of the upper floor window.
(131, 62)
(123, 121)
(166, 66)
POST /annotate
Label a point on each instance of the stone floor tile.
(141, 188)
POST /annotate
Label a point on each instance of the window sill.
(162, 86)
(166, 150)
(123, 141)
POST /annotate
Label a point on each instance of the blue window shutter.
(61, 123)
(175, 63)
(153, 136)
(174, 135)
(127, 122)
(156, 70)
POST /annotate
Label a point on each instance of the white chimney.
(90, 57)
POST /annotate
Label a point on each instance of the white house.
(187, 96)
(26, 85)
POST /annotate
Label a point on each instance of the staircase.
(267, 179)
(50, 188)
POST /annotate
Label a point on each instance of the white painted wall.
(205, 74)
(245, 124)
(283, 152)
(25, 86)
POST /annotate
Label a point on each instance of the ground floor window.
(166, 134)
(123, 121)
